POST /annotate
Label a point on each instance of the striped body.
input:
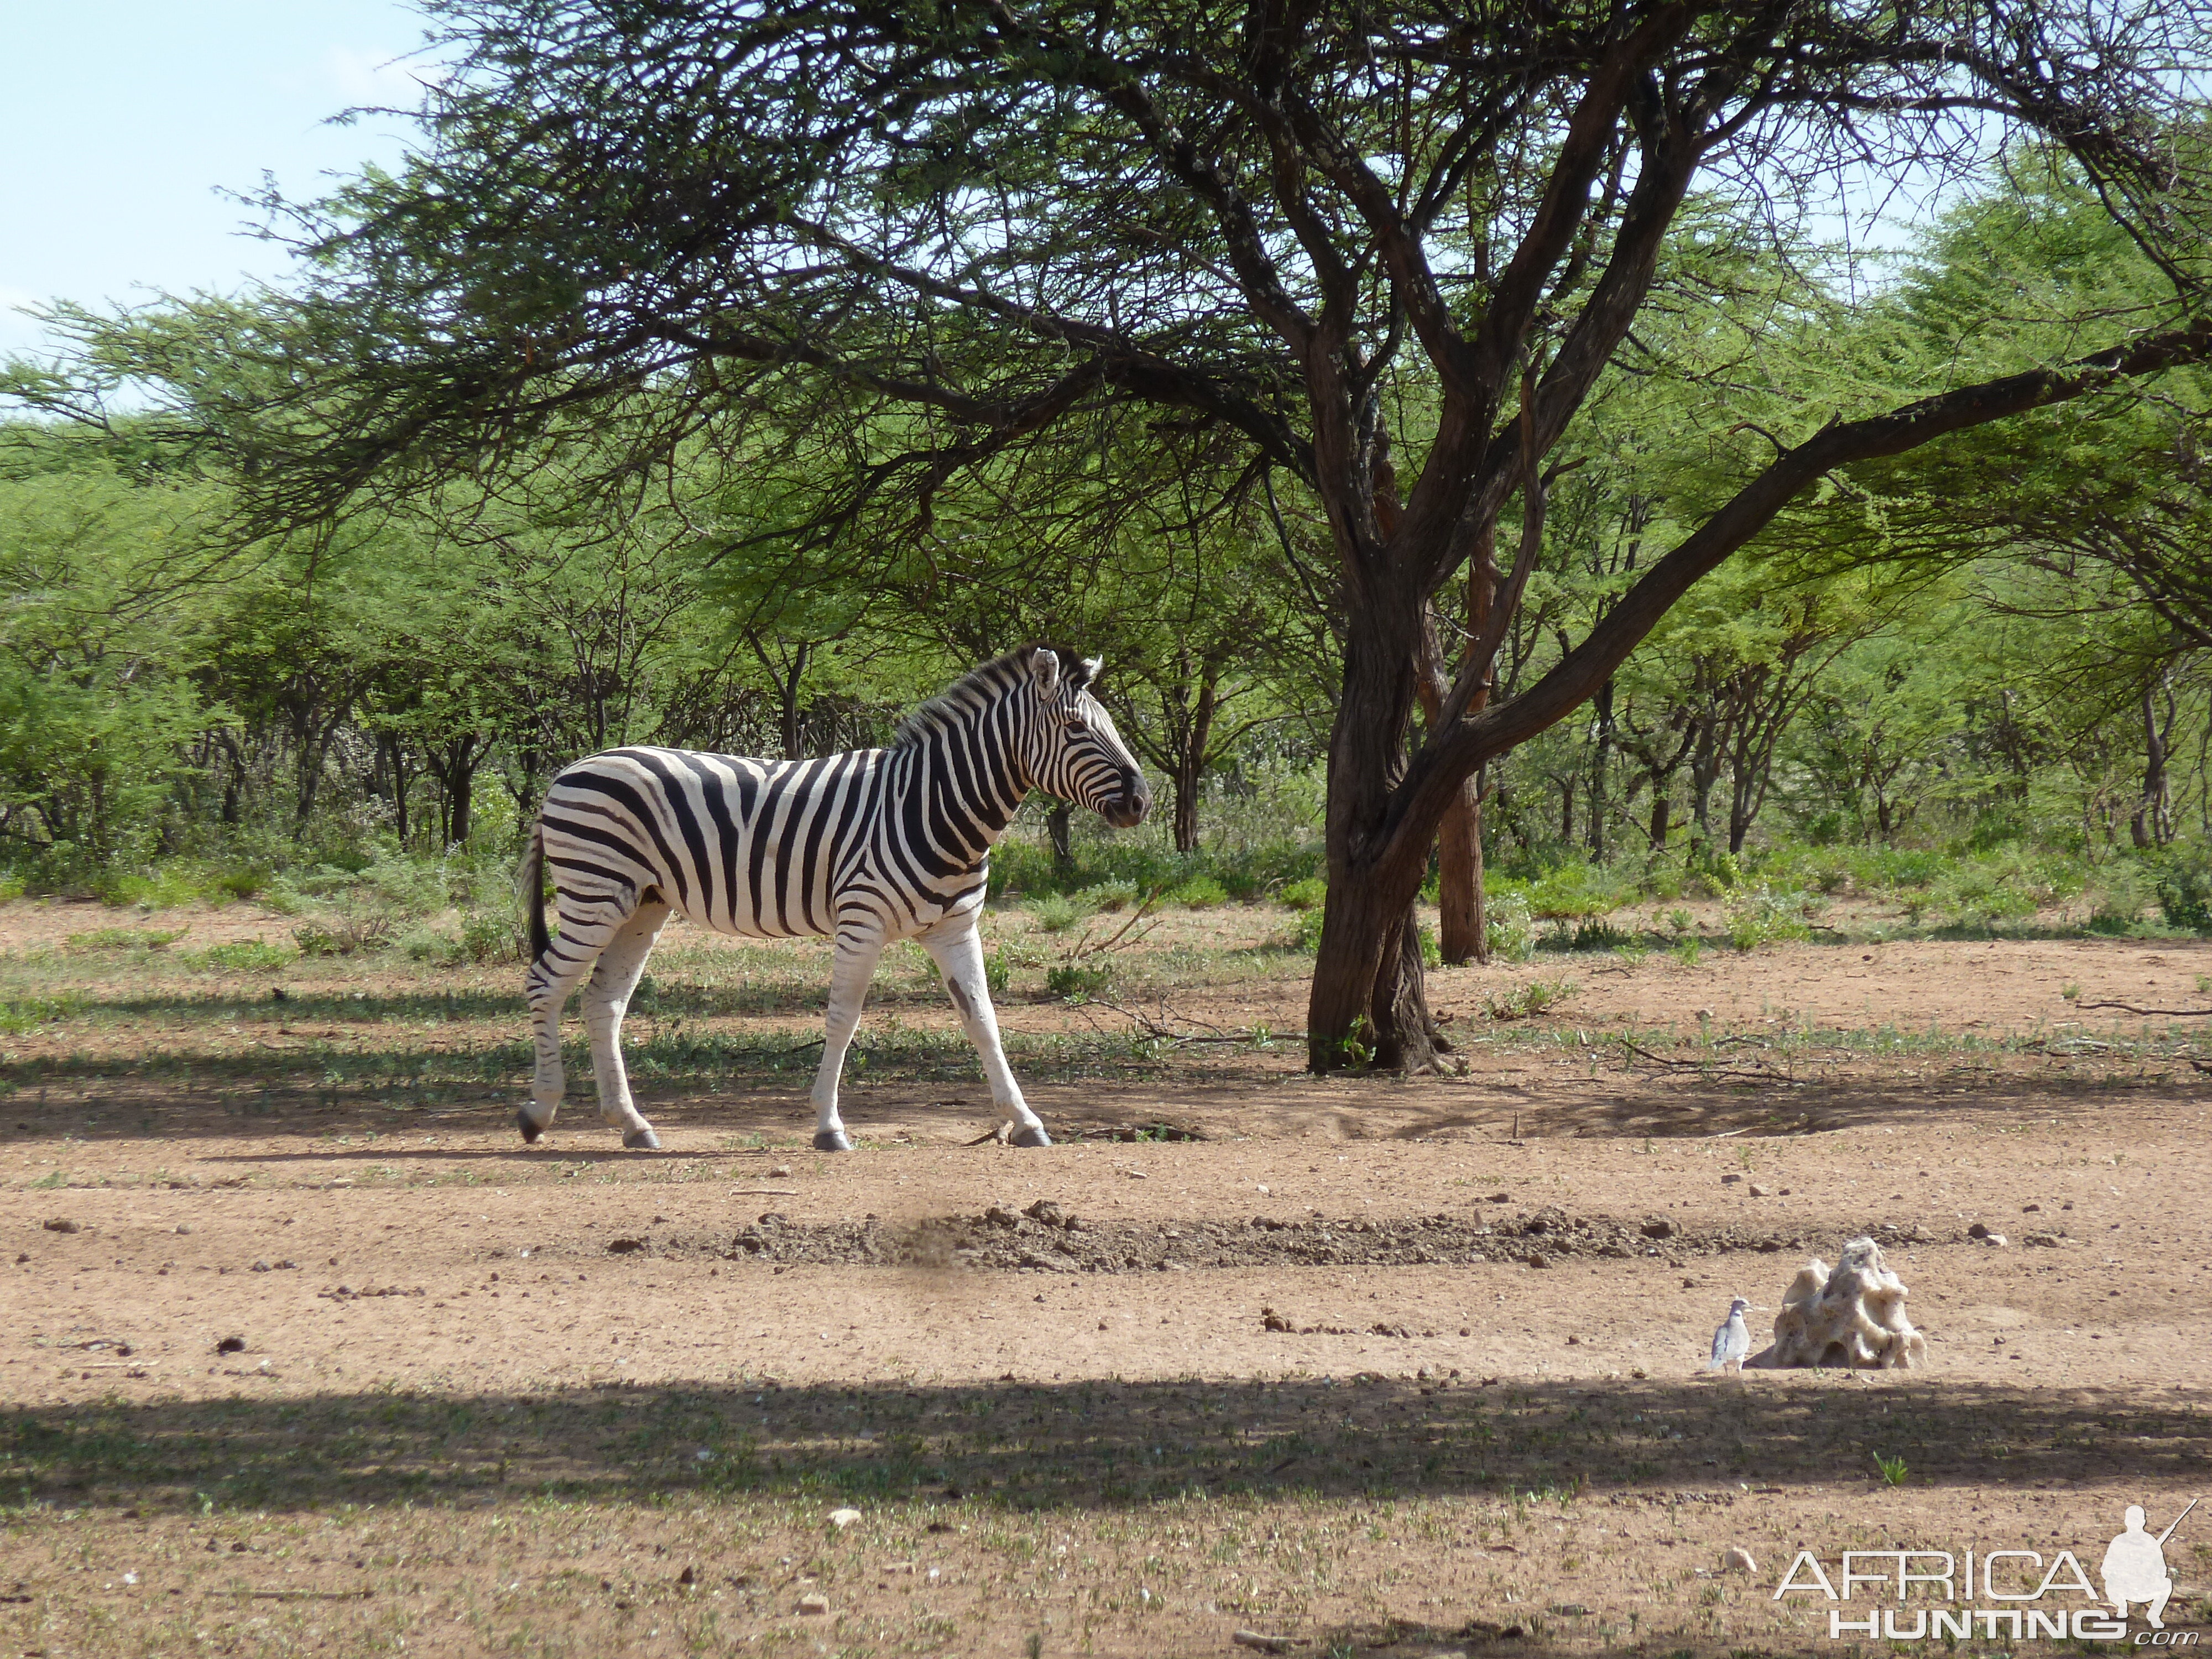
(768, 849)
(867, 847)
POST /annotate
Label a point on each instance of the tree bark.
(1597, 789)
(1057, 827)
(2152, 824)
(1369, 1001)
(1459, 837)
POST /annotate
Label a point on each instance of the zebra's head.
(1075, 753)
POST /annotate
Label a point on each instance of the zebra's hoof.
(1036, 1137)
(642, 1141)
(831, 1140)
(530, 1131)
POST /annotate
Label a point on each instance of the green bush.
(1198, 893)
(1308, 894)
(1070, 980)
(124, 939)
(1025, 870)
(1575, 890)
(492, 936)
(2118, 893)
(243, 884)
(1762, 916)
(2185, 892)
(1508, 928)
(246, 956)
(1056, 913)
(1110, 895)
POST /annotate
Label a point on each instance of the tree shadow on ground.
(1024, 1447)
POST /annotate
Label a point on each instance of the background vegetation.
(1978, 674)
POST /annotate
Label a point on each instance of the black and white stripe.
(868, 846)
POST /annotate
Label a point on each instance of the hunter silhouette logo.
(1998, 1593)
(2134, 1567)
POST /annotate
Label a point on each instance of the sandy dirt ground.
(1365, 1365)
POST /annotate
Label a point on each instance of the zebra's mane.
(978, 687)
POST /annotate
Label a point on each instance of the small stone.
(689, 1576)
(2030, 1209)
(624, 1246)
(261, 1267)
(1045, 1211)
(1730, 1180)
(1757, 1191)
(999, 1216)
(780, 1172)
(231, 1345)
(842, 1519)
(181, 1228)
(1979, 1229)
(61, 1223)
(1658, 1229)
(1995, 1241)
(1538, 1259)
(1739, 1560)
(1136, 1175)
(814, 1604)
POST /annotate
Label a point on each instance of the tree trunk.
(1704, 771)
(1597, 788)
(1056, 826)
(787, 689)
(2150, 826)
(1662, 807)
(1186, 810)
(1459, 880)
(1368, 999)
(1459, 837)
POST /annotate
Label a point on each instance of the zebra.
(868, 847)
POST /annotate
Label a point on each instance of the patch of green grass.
(1521, 1001)
(246, 956)
(1198, 893)
(1056, 913)
(1892, 1468)
(124, 939)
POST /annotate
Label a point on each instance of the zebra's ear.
(1093, 666)
(1044, 668)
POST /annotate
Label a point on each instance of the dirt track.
(1363, 1365)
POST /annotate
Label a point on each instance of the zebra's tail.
(530, 890)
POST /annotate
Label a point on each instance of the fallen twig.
(1085, 947)
(2130, 1007)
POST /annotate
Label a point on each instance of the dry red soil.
(340, 1373)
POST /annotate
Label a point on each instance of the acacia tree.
(973, 226)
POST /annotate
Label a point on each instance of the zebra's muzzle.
(1129, 811)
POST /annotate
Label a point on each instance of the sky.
(125, 120)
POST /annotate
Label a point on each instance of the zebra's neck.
(957, 787)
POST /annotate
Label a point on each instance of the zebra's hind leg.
(959, 956)
(545, 988)
(606, 1000)
(854, 966)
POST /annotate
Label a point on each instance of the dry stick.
(2197, 1013)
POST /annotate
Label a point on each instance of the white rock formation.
(1853, 1317)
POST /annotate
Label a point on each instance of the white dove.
(1732, 1341)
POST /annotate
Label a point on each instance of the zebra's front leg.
(854, 966)
(606, 1000)
(959, 956)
